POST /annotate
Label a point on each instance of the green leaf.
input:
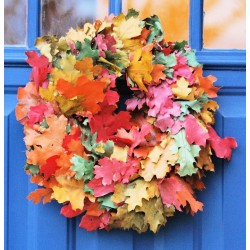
(89, 142)
(106, 202)
(153, 23)
(89, 139)
(85, 50)
(180, 45)
(194, 105)
(191, 57)
(168, 61)
(68, 128)
(34, 169)
(88, 190)
(186, 154)
(44, 123)
(132, 13)
(82, 167)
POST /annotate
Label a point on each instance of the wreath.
(118, 124)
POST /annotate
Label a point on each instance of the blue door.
(38, 227)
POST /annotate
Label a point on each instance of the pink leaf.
(194, 132)
(221, 146)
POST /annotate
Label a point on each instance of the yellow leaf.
(48, 94)
(67, 63)
(153, 213)
(139, 190)
(128, 220)
(69, 75)
(71, 190)
(68, 106)
(79, 34)
(120, 153)
(158, 160)
(126, 29)
(208, 110)
(204, 160)
(140, 68)
(113, 67)
(183, 91)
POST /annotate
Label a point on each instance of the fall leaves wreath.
(128, 168)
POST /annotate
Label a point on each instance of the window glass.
(59, 16)
(173, 14)
(224, 24)
(15, 22)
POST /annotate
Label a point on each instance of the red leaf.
(114, 171)
(99, 188)
(41, 67)
(91, 223)
(221, 146)
(50, 167)
(68, 212)
(194, 132)
(175, 191)
(106, 123)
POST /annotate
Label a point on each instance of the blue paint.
(115, 6)
(220, 226)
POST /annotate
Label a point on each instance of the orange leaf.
(48, 142)
(157, 74)
(87, 68)
(40, 193)
(206, 83)
(91, 91)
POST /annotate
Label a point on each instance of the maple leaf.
(40, 68)
(186, 153)
(138, 190)
(40, 193)
(91, 91)
(128, 219)
(120, 153)
(38, 112)
(70, 190)
(175, 191)
(207, 112)
(85, 50)
(159, 99)
(140, 68)
(68, 212)
(195, 133)
(157, 74)
(182, 91)
(106, 123)
(221, 146)
(153, 213)
(83, 168)
(87, 68)
(50, 167)
(27, 97)
(47, 142)
(206, 83)
(99, 188)
(126, 28)
(204, 160)
(91, 223)
(106, 202)
(158, 161)
(167, 61)
(112, 171)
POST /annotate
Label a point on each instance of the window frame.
(233, 58)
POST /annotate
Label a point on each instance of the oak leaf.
(70, 190)
(175, 191)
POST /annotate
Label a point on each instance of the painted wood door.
(220, 226)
